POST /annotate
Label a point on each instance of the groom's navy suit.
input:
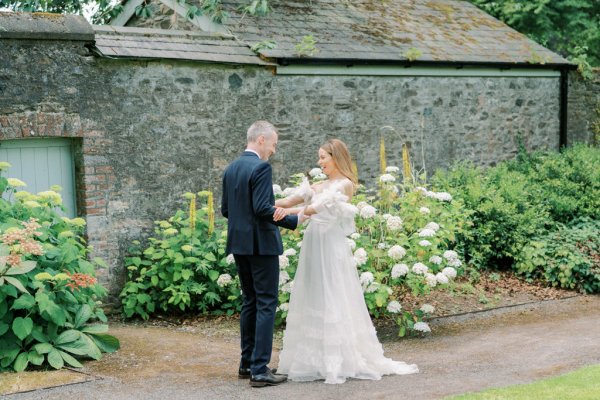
(254, 240)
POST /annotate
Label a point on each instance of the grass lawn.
(583, 384)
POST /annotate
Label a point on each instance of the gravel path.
(465, 353)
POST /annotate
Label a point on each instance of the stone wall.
(584, 109)
(149, 131)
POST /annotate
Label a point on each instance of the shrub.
(48, 293)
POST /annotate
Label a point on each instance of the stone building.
(139, 114)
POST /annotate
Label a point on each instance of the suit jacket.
(248, 204)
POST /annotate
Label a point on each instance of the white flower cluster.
(419, 268)
(437, 260)
(430, 279)
(392, 170)
(441, 278)
(230, 260)
(372, 287)
(381, 245)
(449, 272)
(224, 280)
(290, 252)
(277, 190)
(367, 211)
(386, 178)
(283, 307)
(441, 196)
(361, 257)
(426, 232)
(366, 279)
(287, 191)
(452, 258)
(315, 172)
(422, 327)
(284, 262)
(288, 287)
(433, 226)
(394, 223)
(399, 270)
(396, 252)
(284, 277)
(424, 210)
(355, 236)
(427, 308)
(351, 243)
(394, 307)
(425, 243)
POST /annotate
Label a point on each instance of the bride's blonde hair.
(341, 156)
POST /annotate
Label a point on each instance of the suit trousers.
(259, 279)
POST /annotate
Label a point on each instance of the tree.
(568, 27)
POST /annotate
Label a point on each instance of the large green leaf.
(213, 275)
(69, 359)
(106, 343)
(25, 301)
(55, 359)
(83, 315)
(68, 336)
(80, 347)
(22, 327)
(210, 257)
(43, 348)
(38, 334)
(94, 352)
(4, 327)
(56, 314)
(21, 362)
(16, 283)
(23, 268)
(35, 358)
(96, 328)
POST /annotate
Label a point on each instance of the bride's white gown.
(329, 333)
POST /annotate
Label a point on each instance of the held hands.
(281, 213)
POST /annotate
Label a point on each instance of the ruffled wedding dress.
(329, 333)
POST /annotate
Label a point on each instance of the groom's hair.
(260, 128)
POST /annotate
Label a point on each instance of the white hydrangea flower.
(381, 245)
(366, 278)
(396, 252)
(287, 191)
(394, 223)
(386, 216)
(299, 244)
(284, 307)
(230, 260)
(450, 255)
(355, 236)
(277, 190)
(441, 278)
(433, 226)
(361, 257)
(320, 177)
(424, 243)
(419, 268)
(389, 290)
(361, 204)
(455, 262)
(394, 307)
(14, 182)
(443, 196)
(315, 171)
(392, 169)
(426, 232)
(399, 270)
(424, 210)
(385, 178)
(368, 211)
(290, 252)
(422, 327)
(372, 287)
(449, 272)
(283, 277)
(437, 260)
(351, 243)
(430, 279)
(395, 189)
(427, 308)
(284, 262)
(422, 190)
(224, 280)
(288, 287)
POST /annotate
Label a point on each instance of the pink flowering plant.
(49, 297)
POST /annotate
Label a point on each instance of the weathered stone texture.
(150, 131)
(584, 108)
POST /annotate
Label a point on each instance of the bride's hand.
(279, 214)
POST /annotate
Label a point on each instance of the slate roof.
(148, 43)
(377, 30)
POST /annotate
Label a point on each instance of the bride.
(329, 334)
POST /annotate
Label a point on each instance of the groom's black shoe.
(246, 373)
(267, 379)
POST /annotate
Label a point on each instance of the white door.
(41, 163)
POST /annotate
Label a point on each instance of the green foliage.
(49, 299)
(519, 211)
(264, 45)
(412, 54)
(307, 47)
(181, 270)
(564, 26)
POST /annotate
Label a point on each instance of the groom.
(252, 237)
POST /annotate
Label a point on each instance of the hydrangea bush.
(49, 297)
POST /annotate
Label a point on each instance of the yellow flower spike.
(382, 162)
(14, 182)
(60, 277)
(193, 213)
(42, 276)
(406, 164)
(355, 169)
(211, 214)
